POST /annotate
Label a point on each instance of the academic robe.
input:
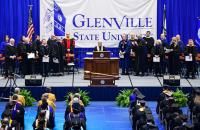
(9, 62)
(141, 56)
(51, 118)
(140, 118)
(36, 45)
(25, 63)
(62, 56)
(158, 50)
(150, 44)
(44, 51)
(21, 100)
(51, 97)
(124, 47)
(50, 103)
(165, 44)
(133, 45)
(35, 48)
(54, 56)
(191, 65)
(174, 59)
(69, 45)
(17, 113)
(182, 46)
(7, 113)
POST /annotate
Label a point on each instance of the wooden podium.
(104, 69)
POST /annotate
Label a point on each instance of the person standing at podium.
(124, 54)
(99, 47)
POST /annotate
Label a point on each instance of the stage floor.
(138, 81)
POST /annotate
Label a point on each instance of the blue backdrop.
(14, 17)
(181, 19)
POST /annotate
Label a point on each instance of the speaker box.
(33, 80)
(172, 80)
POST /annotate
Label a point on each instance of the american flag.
(30, 31)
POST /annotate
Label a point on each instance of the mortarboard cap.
(138, 93)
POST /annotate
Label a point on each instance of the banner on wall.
(89, 21)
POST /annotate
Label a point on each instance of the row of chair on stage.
(13, 114)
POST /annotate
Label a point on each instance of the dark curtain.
(182, 18)
(14, 18)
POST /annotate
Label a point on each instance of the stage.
(124, 81)
(148, 85)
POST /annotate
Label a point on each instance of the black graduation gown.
(10, 63)
(30, 62)
(36, 45)
(150, 44)
(50, 122)
(141, 56)
(72, 45)
(140, 118)
(191, 65)
(133, 46)
(62, 56)
(35, 48)
(44, 51)
(174, 59)
(25, 64)
(124, 46)
(54, 54)
(159, 51)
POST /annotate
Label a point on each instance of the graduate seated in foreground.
(50, 102)
(166, 92)
(76, 98)
(76, 118)
(75, 111)
(135, 97)
(14, 111)
(41, 121)
(49, 114)
(7, 123)
(51, 96)
(20, 98)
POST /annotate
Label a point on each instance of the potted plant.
(123, 98)
(29, 100)
(180, 98)
(84, 97)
